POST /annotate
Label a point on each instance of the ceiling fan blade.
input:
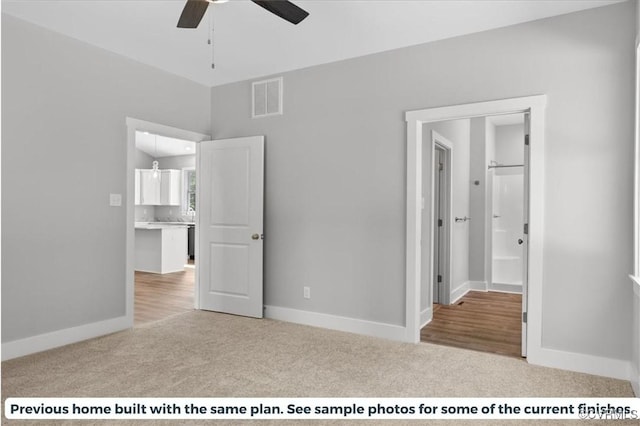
(192, 13)
(284, 9)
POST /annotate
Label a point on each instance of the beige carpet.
(205, 354)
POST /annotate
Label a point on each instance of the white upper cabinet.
(149, 188)
(170, 187)
(161, 190)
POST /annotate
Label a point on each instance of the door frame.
(535, 106)
(439, 141)
(133, 125)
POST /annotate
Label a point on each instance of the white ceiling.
(161, 146)
(250, 42)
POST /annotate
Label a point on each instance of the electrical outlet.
(307, 292)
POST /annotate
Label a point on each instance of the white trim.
(535, 105)
(506, 288)
(459, 292)
(466, 287)
(413, 231)
(133, 125)
(635, 337)
(635, 380)
(54, 339)
(335, 322)
(635, 327)
(478, 286)
(581, 363)
(636, 281)
(426, 316)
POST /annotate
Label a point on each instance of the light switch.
(115, 200)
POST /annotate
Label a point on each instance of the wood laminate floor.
(158, 296)
(482, 321)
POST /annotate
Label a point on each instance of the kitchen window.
(189, 190)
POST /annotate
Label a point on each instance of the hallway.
(481, 321)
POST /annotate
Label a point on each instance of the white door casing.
(535, 106)
(525, 234)
(230, 200)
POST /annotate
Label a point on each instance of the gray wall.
(478, 242)
(510, 144)
(64, 137)
(335, 169)
(143, 160)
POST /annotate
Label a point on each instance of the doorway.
(159, 218)
(165, 211)
(480, 307)
(531, 297)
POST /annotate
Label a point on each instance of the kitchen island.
(161, 248)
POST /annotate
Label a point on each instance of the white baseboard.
(465, 287)
(478, 286)
(43, 342)
(335, 322)
(635, 380)
(426, 316)
(506, 288)
(458, 292)
(581, 363)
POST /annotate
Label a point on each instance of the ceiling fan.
(194, 10)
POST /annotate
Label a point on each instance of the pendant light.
(154, 165)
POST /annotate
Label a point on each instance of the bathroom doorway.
(416, 251)
(481, 305)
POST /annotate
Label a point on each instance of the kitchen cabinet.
(160, 248)
(164, 189)
(170, 186)
(149, 188)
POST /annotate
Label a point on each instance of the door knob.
(255, 237)
(520, 241)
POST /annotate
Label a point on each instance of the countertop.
(162, 225)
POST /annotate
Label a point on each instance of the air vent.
(267, 97)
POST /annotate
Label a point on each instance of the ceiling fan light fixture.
(194, 10)
(154, 167)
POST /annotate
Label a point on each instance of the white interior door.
(230, 194)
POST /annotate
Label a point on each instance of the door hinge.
(439, 222)
(524, 317)
(526, 140)
(439, 278)
(440, 166)
(526, 229)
